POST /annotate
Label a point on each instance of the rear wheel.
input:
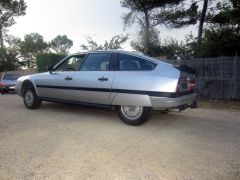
(30, 98)
(133, 115)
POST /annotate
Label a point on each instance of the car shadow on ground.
(194, 123)
(157, 119)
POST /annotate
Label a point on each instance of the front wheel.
(133, 115)
(30, 98)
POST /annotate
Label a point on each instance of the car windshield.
(11, 77)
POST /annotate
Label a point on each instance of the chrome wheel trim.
(132, 112)
(29, 98)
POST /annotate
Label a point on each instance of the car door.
(79, 79)
(57, 85)
(92, 84)
(132, 81)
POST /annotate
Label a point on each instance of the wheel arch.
(130, 99)
(28, 83)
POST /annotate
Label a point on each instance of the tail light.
(2, 84)
(185, 84)
(191, 85)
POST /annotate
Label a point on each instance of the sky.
(100, 19)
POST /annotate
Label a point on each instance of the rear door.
(132, 80)
(94, 80)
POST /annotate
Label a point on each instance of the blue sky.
(77, 18)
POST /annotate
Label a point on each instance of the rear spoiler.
(186, 69)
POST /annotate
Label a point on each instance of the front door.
(57, 85)
(85, 79)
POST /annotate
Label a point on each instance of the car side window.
(132, 63)
(71, 64)
(96, 62)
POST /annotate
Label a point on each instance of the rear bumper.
(161, 103)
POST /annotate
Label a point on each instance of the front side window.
(132, 63)
(71, 64)
(96, 62)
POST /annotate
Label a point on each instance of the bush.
(47, 59)
(220, 42)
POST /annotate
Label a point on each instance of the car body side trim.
(150, 93)
(104, 106)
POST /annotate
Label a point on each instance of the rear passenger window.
(96, 62)
(132, 63)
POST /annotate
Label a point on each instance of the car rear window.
(11, 77)
(132, 63)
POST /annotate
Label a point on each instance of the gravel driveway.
(71, 142)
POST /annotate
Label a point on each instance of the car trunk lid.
(187, 80)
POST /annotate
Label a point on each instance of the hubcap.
(132, 112)
(29, 98)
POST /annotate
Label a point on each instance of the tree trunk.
(146, 38)
(201, 21)
(1, 39)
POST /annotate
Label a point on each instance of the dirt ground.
(71, 142)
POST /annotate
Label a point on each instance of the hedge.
(46, 59)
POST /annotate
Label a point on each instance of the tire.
(133, 115)
(30, 98)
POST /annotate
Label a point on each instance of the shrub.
(46, 59)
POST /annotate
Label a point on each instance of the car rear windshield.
(11, 77)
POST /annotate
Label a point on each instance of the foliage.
(115, 42)
(213, 44)
(32, 45)
(141, 9)
(8, 60)
(61, 44)
(23, 53)
(219, 12)
(46, 59)
(171, 48)
(220, 42)
(154, 48)
(222, 17)
(145, 13)
(228, 13)
(9, 9)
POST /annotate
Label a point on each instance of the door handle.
(68, 78)
(103, 79)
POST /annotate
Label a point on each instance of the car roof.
(134, 53)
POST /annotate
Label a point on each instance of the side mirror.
(50, 69)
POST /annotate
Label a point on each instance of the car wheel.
(30, 98)
(133, 115)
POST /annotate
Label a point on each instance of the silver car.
(131, 83)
